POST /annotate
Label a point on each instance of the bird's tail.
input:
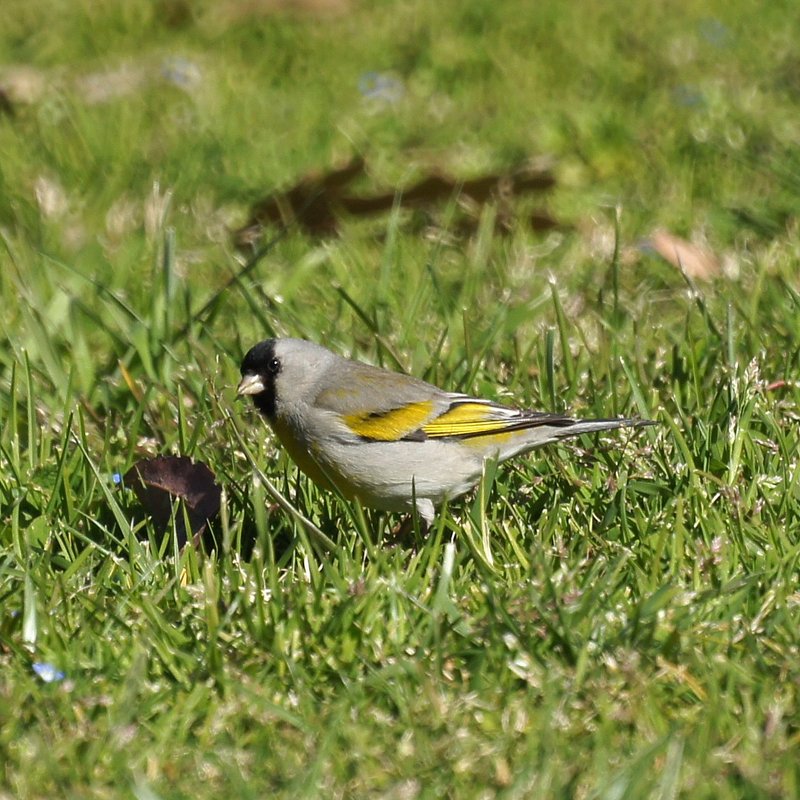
(551, 428)
(576, 427)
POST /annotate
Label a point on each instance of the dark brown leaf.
(318, 200)
(158, 482)
(6, 106)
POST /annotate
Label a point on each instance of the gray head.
(282, 370)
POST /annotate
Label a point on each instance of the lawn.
(613, 617)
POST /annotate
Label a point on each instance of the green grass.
(616, 617)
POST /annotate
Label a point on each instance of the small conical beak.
(251, 384)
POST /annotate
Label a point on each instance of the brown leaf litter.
(159, 482)
(319, 201)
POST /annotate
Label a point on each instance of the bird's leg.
(402, 532)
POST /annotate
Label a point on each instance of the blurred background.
(120, 120)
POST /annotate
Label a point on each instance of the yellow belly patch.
(300, 454)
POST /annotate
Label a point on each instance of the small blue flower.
(181, 72)
(116, 478)
(47, 672)
(688, 96)
(716, 33)
(645, 246)
(381, 88)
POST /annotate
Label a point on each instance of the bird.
(390, 440)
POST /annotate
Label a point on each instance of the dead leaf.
(6, 106)
(318, 201)
(22, 85)
(694, 260)
(158, 482)
(50, 197)
(112, 84)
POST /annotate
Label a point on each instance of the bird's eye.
(274, 366)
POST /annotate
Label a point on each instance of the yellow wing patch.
(467, 419)
(391, 425)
